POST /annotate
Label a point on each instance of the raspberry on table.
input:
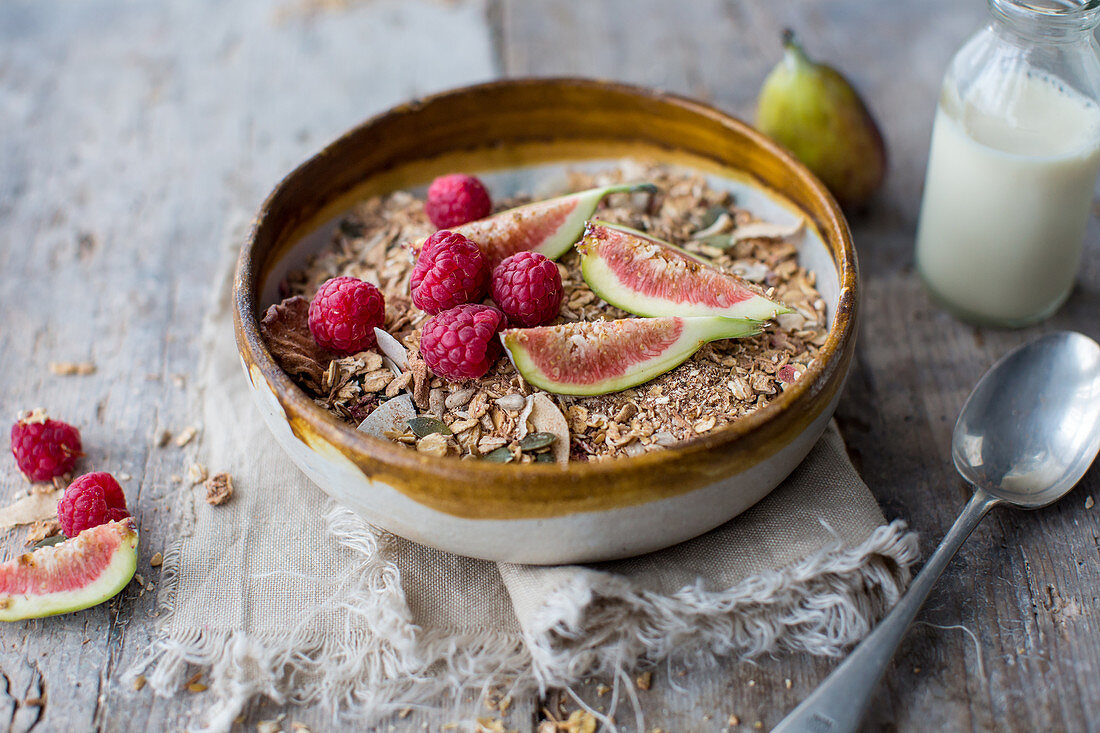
(89, 501)
(462, 343)
(527, 287)
(456, 199)
(344, 313)
(44, 448)
(450, 271)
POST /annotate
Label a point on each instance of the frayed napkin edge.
(820, 605)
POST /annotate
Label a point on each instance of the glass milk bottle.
(1014, 157)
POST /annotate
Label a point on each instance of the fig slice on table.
(72, 575)
(549, 227)
(596, 358)
(649, 277)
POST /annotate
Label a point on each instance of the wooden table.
(136, 140)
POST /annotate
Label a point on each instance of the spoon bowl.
(1031, 427)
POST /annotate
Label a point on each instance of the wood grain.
(138, 139)
(1025, 585)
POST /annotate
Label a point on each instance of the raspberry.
(44, 448)
(89, 501)
(344, 313)
(450, 271)
(527, 287)
(462, 343)
(457, 199)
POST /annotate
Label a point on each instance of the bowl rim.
(346, 438)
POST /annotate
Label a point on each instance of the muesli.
(501, 416)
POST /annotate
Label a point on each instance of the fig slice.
(649, 277)
(549, 227)
(71, 575)
(599, 357)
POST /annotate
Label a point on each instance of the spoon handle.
(838, 704)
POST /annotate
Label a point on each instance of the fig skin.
(812, 110)
(600, 357)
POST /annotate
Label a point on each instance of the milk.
(1007, 197)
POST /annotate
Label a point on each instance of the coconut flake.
(545, 417)
(752, 271)
(391, 415)
(392, 349)
(523, 415)
(30, 509)
(766, 230)
(791, 321)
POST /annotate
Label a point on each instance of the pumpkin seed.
(544, 457)
(351, 228)
(721, 225)
(537, 441)
(718, 241)
(712, 215)
(425, 425)
(500, 455)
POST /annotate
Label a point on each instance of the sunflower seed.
(512, 402)
(459, 398)
(437, 399)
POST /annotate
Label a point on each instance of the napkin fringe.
(598, 624)
(383, 666)
(595, 625)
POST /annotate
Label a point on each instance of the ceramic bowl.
(514, 133)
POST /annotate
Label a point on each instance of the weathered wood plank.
(136, 137)
(137, 142)
(1025, 585)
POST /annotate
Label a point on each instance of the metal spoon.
(1026, 436)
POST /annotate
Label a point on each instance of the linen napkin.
(280, 592)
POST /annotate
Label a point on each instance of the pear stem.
(794, 54)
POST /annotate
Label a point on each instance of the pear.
(812, 110)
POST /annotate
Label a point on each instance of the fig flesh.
(593, 358)
(812, 110)
(71, 575)
(648, 277)
(549, 227)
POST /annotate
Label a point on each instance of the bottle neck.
(1048, 21)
